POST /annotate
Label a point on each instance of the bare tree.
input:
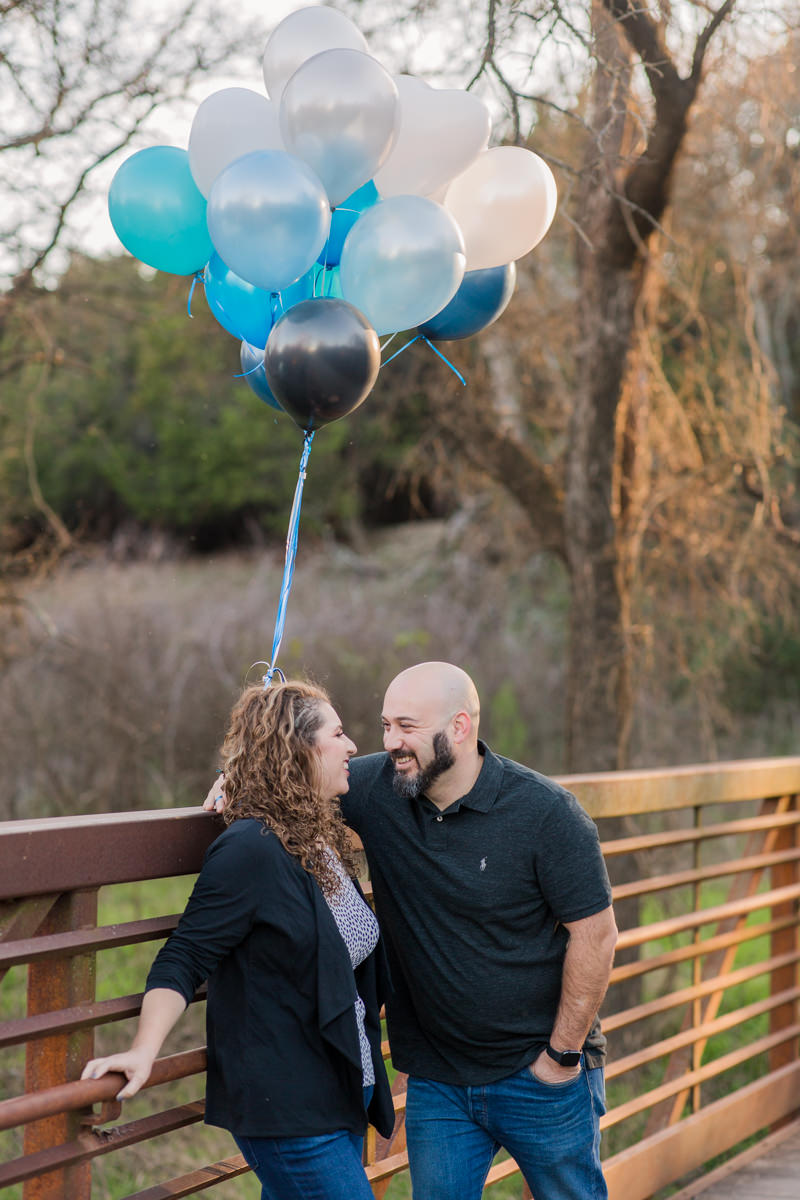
(623, 80)
(79, 80)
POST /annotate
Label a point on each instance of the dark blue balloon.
(252, 360)
(480, 299)
(343, 218)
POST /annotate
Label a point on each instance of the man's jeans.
(552, 1130)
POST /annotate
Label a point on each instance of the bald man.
(495, 907)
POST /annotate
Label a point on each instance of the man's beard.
(410, 786)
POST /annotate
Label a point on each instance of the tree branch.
(722, 13)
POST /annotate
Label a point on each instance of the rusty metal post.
(59, 1059)
(784, 942)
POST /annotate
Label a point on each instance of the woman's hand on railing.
(135, 1064)
(216, 799)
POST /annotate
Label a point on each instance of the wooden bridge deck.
(770, 1170)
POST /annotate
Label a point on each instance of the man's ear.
(462, 726)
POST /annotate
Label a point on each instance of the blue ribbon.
(402, 348)
(288, 567)
(421, 337)
(445, 360)
(244, 374)
(197, 275)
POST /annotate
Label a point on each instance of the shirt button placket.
(438, 833)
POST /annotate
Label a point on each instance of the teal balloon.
(327, 282)
(159, 213)
(295, 292)
(252, 360)
(481, 298)
(242, 309)
(268, 216)
(343, 218)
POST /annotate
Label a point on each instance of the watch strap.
(564, 1058)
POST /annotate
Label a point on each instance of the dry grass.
(129, 670)
(120, 676)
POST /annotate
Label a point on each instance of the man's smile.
(402, 759)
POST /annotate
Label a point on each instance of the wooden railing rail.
(703, 1023)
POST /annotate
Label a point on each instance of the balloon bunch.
(343, 204)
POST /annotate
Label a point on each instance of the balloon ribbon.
(421, 337)
(288, 566)
(198, 275)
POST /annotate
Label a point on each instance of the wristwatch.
(564, 1058)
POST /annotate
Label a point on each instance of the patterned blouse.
(359, 929)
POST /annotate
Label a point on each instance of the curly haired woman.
(278, 926)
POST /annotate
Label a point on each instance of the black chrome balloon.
(321, 361)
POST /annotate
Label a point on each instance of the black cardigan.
(283, 1049)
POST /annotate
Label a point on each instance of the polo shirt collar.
(486, 788)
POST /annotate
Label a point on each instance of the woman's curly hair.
(273, 773)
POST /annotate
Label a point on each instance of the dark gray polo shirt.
(470, 903)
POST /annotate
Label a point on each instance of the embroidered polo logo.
(483, 864)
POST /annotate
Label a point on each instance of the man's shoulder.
(540, 797)
(518, 777)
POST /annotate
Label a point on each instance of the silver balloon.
(300, 36)
(340, 113)
(321, 361)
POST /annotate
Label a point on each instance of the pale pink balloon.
(504, 203)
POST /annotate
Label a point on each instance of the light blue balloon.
(402, 262)
(244, 310)
(268, 217)
(252, 360)
(159, 213)
(344, 218)
(481, 299)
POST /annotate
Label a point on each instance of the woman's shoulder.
(247, 839)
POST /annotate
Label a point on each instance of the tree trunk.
(598, 689)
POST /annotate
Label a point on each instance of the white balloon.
(301, 35)
(339, 113)
(228, 124)
(504, 203)
(441, 133)
(402, 262)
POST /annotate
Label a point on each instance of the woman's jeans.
(325, 1167)
(552, 1130)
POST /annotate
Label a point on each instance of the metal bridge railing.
(702, 1016)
